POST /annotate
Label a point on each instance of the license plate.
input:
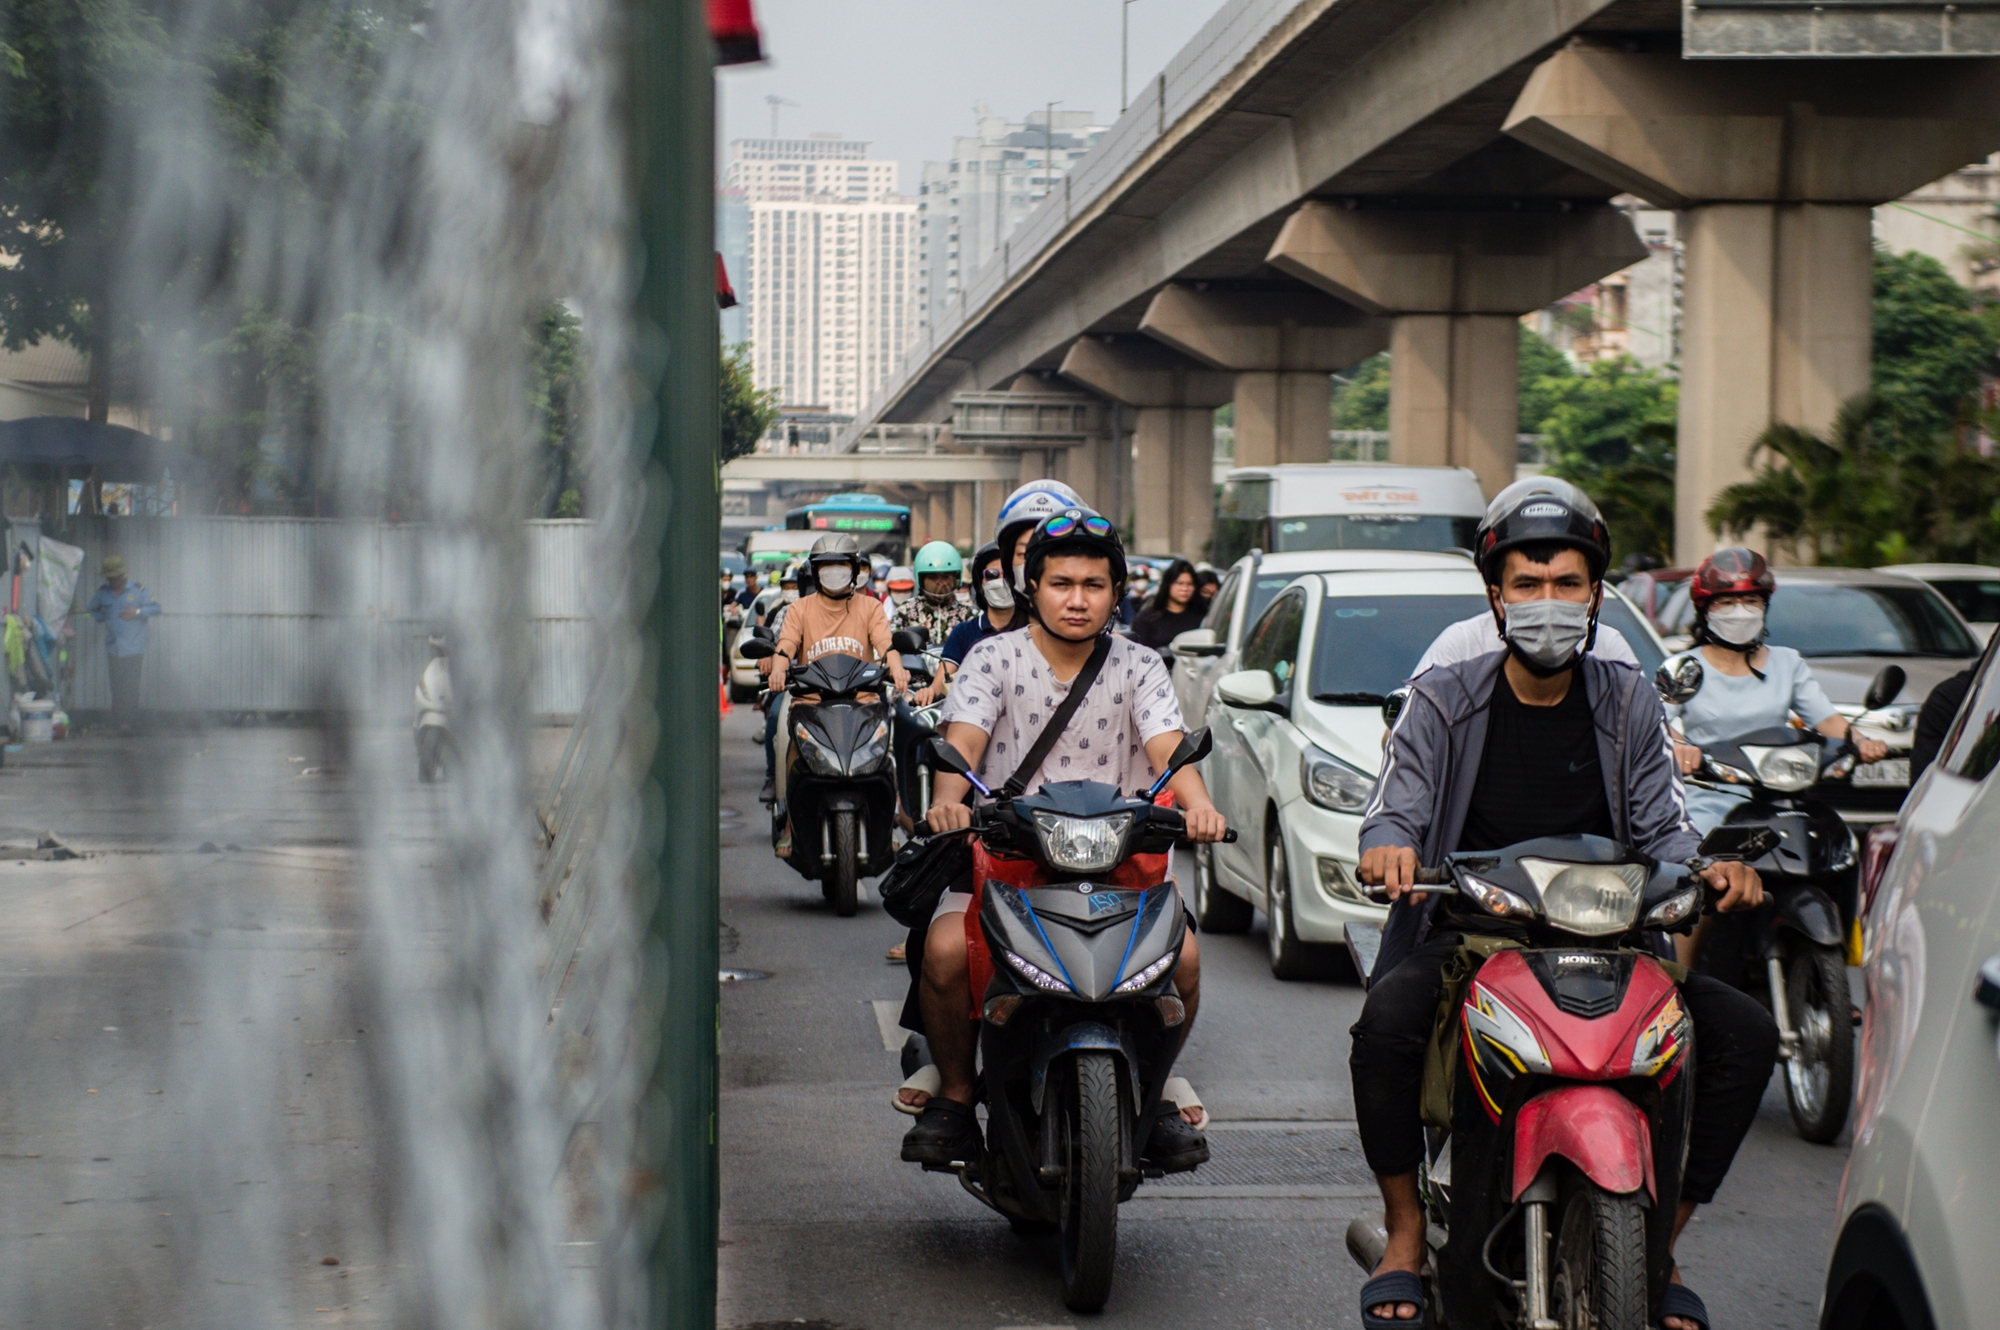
(1890, 771)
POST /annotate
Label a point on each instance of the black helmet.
(1539, 510)
(1073, 531)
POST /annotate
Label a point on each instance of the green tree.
(1611, 431)
(1542, 369)
(1361, 396)
(1931, 346)
(555, 399)
(747, 411)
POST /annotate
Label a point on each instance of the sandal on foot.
(1174, 1146)
(1680, 1300)
(947, 1132)
(1181, 1095)
(1386, 1289)
(925, 1078)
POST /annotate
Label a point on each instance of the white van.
(1346, 506)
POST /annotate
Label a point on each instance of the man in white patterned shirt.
(1126, 729)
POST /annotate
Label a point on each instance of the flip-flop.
(1181, 1095)
(925, 1078)
(896, 952)
(1393, 1286)
(1680, 1300)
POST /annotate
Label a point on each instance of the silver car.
(1920, 1206)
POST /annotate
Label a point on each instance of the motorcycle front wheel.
(1599, 1277)
(1819, 1076)
(1094, 1151)
(844, 873)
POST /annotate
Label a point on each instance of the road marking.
(889, 1020)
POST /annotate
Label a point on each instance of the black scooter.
(1791, 951)
(1081, 1021)
(840, 784)
(915, 726)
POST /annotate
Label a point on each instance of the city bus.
(881, 527)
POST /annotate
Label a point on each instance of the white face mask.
(900, 597)
(1738, 625)
(998, 594)
(836, 579)
(1548, 634)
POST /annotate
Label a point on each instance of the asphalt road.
(823, 1226)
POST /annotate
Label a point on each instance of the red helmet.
(1731, 572)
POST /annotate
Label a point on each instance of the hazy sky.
(905, 73)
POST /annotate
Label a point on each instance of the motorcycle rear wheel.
(1598, 1279)
(1819, 1077)
(844, 873)
(1095, 1152)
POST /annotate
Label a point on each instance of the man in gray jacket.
(1541, 740)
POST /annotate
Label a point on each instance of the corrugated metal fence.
(260, 611)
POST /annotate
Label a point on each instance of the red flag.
(725, 295)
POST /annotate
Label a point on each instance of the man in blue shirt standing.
(123, 607)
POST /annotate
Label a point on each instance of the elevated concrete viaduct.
(1311, 180)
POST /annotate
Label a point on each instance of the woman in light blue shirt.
(1746, 685)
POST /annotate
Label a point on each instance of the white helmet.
(1026, 507)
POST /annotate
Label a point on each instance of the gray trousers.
(125, 672)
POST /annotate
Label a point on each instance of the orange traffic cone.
(724, 689)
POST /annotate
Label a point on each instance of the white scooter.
(434, 713)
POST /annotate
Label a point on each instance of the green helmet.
(940, 556)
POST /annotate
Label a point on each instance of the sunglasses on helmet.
(1071, 522)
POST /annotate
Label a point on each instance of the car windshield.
(1369, 644)
(1976, 598)
(1832, 619)
(1373, 531)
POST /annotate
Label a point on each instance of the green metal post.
(672, 98)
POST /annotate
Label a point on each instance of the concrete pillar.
(963, 533)
(937, 525)
(1775, 166)
(1170, 400)
(1283, 347)
(1454, 285)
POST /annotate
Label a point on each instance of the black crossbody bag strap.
(1017, 784)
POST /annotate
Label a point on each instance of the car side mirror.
(1393, 704)
(756, 648)
(1679, 684)
(1255, 690)
(1195, 642)
(1739, 842)
(910, 641)
(1886, 687)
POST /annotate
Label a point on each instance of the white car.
(1298, 731)
(1920, 1203)
(1973, 590)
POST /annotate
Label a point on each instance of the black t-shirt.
(1540, 774)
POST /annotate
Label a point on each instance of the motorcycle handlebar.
(1431, 879)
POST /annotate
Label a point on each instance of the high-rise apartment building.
(972, 203)
(828, 270)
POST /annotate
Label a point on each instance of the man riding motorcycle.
(936, 608)
(1542, 740)
(1074, 574)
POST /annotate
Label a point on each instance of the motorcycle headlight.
(1034, 973)
(1147, 975)
(870, 754)
(1594, 900)
(819, 758)
(1332, 783)
(1083, 844)
(1495, 900)
(1674, 908)
(1793, 767)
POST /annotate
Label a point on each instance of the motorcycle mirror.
(910, 641)
(756, 648)
(763, 634)
(1681, 683)
(946, 758)
(1886, 687)
(1191, 749)
(1738, 842)
(1393, 704)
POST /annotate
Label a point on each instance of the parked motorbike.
(433, 728)
(1569, 1106)
(1790, 952)
(1072, 956)
(840, 790)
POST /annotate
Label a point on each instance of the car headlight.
(1674, 908)
(871, 753)
(1083, 844)
(1594, 900)
(1034, 973)
(819, 758)
(1147, 975)
(1332, 783)
(1495, 900)
(1793, 767)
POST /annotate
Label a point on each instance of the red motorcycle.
(1569, 1106)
